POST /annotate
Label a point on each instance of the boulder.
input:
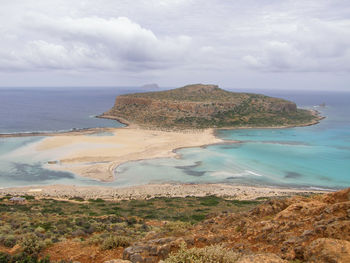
(328, 250)
(152, 250)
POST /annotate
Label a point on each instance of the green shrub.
(40, 229)
(4, 258)
(212, 254)
(244, 202)
(77, 198)
(32, 245)
(22, 258)
(210, 201)
(46, 225)
(9, 240)
(198, 217)
(97, 200)
(131, 221)
(176, 228)
(111, 242)
(78, 233)
(28, 197)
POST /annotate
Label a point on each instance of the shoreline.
(316, 113)
(81, 131)
(88, 131)
(148, 191)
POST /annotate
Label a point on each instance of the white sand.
(97, 156)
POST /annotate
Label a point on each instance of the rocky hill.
(299, 229)
(203, 106)
(314, 228)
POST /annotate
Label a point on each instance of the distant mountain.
(152, 86)
(204, 106)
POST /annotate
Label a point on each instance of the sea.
(312, 157)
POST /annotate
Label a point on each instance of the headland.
(201, 106)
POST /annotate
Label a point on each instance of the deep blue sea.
(28, 110)
(310, 157)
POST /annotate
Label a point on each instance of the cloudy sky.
(243, 44)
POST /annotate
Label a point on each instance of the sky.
(241, 44)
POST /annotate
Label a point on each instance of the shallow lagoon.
(314, 156)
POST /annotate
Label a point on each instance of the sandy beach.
(96, 157)
(155, 190)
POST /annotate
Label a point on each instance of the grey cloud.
(310, 46)
(175, 40)
(94, 42)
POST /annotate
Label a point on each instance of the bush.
(9, 240)
(176, 227)
(21, 258)
(78, 233)
(97, 200)
(77, 198)
(32, 245)
(210, 201)
(115, 241)
(199, 217)
(39, 229)
(4, 258)
(28, 197)
(212, 254)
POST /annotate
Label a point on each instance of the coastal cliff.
(207, 106)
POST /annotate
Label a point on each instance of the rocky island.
(207, 106)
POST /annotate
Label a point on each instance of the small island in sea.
(207, 106)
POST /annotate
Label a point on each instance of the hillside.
(204, 106)
(298, 229)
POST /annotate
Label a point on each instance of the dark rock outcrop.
(152, 250)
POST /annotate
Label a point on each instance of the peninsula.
(201, 106)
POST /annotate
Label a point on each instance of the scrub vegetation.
(28, 228)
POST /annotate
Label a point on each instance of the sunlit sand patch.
(35, 190)
(97, 156)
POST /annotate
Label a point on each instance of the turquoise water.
(316, 156)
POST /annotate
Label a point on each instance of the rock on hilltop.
(204, 106)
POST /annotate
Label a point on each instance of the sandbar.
(97, 157)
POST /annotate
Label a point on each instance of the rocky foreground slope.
(297, 229)
(204, 229)
(203, 106)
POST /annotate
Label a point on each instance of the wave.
(225, 174)
(253, 173)
(321, 188)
